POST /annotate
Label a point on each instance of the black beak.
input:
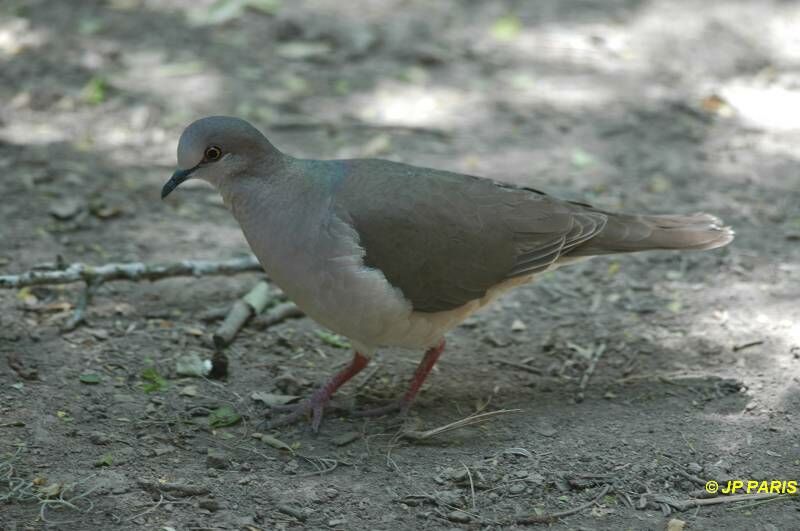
(177, 178)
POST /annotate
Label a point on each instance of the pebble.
(209, 505)
(216, 459)
(346, 438)
(459, 516)
(100, 438)
(517, 488)
(66, 208)
(694, 468)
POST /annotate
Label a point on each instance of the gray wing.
(444, 238)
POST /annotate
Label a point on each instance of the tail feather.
(625, 233)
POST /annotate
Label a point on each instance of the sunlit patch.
(16, 35)
(188, 85)
(19, 132)
(783, 36)
(563, 91)
(415, 106)
(599, 47)
(768, 107)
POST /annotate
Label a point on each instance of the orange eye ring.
(212, 153)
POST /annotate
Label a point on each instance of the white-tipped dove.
(393, 255)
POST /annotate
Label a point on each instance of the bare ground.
(657, 106)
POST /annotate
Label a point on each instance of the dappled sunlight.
(594, 47)
(758, 331)
(767, 107)
(412, 105)
(17, 35)
(561, 91)
(33, 133)
(185, 87)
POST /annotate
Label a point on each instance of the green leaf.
(90, 378)
(95, 91)
(333, 340)
(506, 28)
(152, 381)
(105, 460)
(224, 416)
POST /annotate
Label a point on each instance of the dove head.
(217, 149)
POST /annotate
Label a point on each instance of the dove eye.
(212, 153)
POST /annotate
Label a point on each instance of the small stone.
(208, 504)
(66, 209)
(517, 488)
(518, 326)
(450, 497)
(346, 438)
(694, 468)
(189, 390)
(98, 333)
(216, 459)
(676, 525)
(99, 438)
(459, 516)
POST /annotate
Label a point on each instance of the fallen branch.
(242, 310)
(78, 316)
(94, 276)
(683, 505)
(134, 271)
(279, 313)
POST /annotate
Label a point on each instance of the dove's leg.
(404, 403)
(316, 403)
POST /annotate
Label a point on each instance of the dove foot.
(315, 404)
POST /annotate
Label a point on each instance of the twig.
(589, 371)
(690, 477)
(179, 489)
(552, 517)
(150, 510)
(79, 315)
(329, 466)
(737, 348)
(471, 487)
(243, 309)
(682, 505)
(278, 313)
(521, 366)
(133, 271)
(463, 423)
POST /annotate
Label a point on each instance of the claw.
(316, 403)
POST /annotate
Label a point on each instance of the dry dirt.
(658, 106)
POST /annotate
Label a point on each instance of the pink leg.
(320, 398)
(403, 404)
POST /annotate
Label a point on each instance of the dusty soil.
(658, 106)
